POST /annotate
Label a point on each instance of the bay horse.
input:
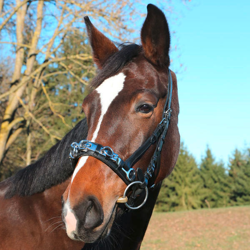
(103, 197)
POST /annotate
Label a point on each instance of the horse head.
(123, 111)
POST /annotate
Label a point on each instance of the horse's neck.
(42, 208)
(49, 202)
(49, 198)
(38, 215)
(57, 190)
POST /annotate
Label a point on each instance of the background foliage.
(209, 184)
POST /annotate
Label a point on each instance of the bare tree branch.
(38, 122)
(1, 6)
(25, 80)
(16, 10)
(52, 108)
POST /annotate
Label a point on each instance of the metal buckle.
(82, 146)
(74, 150)
(167, 113)
(107, 152)
(130, 174)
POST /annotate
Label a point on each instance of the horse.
(97, 187)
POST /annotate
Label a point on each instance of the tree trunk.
(8, 119)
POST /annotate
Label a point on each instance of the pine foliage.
(215, 181)
(182, 189)
(209, 185)
(239, 173)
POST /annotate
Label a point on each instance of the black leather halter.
(124, 169)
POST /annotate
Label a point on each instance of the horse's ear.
(102, 47)
(155, 37)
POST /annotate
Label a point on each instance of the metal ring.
(145, 199)
(107, 151)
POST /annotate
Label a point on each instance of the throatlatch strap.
(136, 156)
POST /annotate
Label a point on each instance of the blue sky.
(213, 40)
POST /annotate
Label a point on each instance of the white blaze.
(70, 220)
(107, 91)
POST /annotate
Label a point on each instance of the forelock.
(115, 63)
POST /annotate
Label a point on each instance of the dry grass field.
(208, 229)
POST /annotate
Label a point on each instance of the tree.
(35, 92)
(239, 173)
(215, 181)
(58, 106)
(182, 189)
(5, 77)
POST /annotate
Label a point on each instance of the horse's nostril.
(90, 207)
(75, 236)
(94, 215)
(89, 213)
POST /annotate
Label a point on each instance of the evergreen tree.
(239, 173)
(182, 189)
(215, 181)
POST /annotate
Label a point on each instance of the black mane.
(116, 62)
(52, 169)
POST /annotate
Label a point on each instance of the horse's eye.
(145, 108)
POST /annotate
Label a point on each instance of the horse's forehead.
(108, 91)
(111, 87)
(139, 74)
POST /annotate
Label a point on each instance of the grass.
(208, 229)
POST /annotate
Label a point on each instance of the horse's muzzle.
(83, 220)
